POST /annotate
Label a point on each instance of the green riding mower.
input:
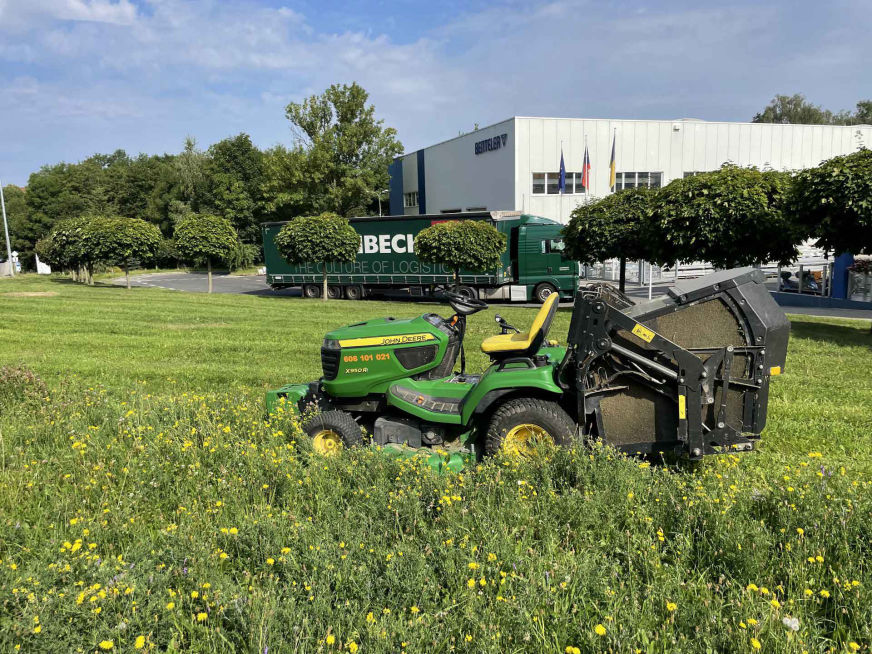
(687, 373)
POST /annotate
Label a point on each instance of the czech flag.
(561, 184)
(612, 164)
(585, 171)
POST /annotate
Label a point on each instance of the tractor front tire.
(331, 431)
(517, 423)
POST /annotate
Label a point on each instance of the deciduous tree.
(323, 239)
(833, 202)
(617, 226)
(473, 245)
(120, 241)
(731, 216)
(347, 150)
(205, 238)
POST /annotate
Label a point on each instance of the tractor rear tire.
(331, 431)
(519, 420)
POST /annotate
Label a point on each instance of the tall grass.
(171, 515)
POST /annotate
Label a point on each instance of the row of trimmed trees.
(732, 216)
(79, 244)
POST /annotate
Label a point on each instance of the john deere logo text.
(399, 339)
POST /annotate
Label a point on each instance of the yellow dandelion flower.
(808, 592)
(139, 643)
(671, 606)
(825, 593)
(370, 617)
(600, 630)
(331, 639)
(171, 606)
(473, 566)
(194, 594)
(202, 617)
(414, 609)
(106, 644)
(800, 531)
(854, 646)
(270, 561)
(468, 638)
(352, 647)
(774, 602)
(755, 643)
(470, 582)
(37, 629)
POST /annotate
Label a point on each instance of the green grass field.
(145, 504)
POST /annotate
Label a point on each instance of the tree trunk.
(622, 283)
(127, 274)
(90, 270)
(324, 283)
(209, 271)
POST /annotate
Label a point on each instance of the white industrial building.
(514, 164)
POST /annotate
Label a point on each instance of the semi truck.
(532, 267)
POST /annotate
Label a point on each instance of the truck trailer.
(532, 267)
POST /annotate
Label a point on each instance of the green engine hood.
(367, 357)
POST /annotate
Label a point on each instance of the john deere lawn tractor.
(688, 373)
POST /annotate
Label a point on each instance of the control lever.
(504, 326)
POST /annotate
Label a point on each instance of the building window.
(638, 180)
(410, 199)
(693, 173)
(549, 183)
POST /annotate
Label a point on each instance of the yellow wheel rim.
(521, 439)
(327, 442)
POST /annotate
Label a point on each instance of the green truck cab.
(532, 267)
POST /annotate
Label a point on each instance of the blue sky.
(85, 76)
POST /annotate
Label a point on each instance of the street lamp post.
(6, 232)
(378, 195)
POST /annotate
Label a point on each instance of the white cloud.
(21, 14)
(145, 75)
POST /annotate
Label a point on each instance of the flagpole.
(563, 190)
(6, 232)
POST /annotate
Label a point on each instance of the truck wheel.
(311, 291)
(542, 292)
(516, 425)
(334, 292)
(353, 292)
(331, 431)
(467, 292)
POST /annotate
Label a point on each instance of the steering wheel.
(464, 306)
